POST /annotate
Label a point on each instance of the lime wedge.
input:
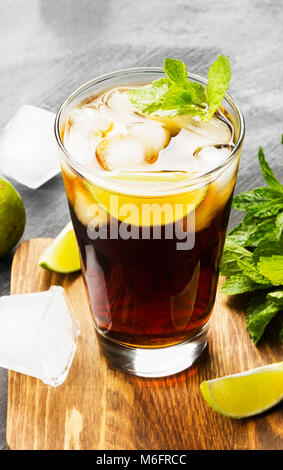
(245, 394)
(146, 211)
(62, 256)
(150, 177)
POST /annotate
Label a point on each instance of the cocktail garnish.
(177, 95)
(253, 253)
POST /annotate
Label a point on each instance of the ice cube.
(154, 136)
(219, 191)
(81, 146)
(118, 100)
(192, 152)
(28, 149)
(120, 153)
(176, 123)
(212, 156)
(215, 131)
(178, 155)
(83, 131)
(38, 335)
(89, 120)
(225, 181)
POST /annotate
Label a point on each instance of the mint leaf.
(197, 92)
(259, 313)
(240, 283)
(266, 248)
(232, 251)
(241, 234)
(267, 173)
(277, 297)
(260, 267)
(265, 210)
(250, 233)
(255, 197)
(177, 101)
(219, 76)
(271, 267)
(148, 95)
(177, 95)
(263, 229)
(279, 229)
(252, 230)
(251, 270)
(176, 71)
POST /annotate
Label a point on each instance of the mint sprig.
(252, 259)
(177, 95)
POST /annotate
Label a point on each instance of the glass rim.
(123, 186)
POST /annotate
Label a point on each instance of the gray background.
(49, 47)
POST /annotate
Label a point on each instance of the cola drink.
(149, 198)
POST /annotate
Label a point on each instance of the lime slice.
(245, 394)
(150, 177)
(89, 212)
(62, 256)
(148, 211)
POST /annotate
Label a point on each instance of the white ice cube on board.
(28, 148)
(38, 335)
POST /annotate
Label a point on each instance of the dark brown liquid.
(147, 293)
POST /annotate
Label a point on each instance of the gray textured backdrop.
(49, 47)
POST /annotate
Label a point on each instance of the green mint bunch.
(252, 259)
(177, 95)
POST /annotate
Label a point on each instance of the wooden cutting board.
(98, 407)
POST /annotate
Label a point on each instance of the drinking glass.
(150, 245)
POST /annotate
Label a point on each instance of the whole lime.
(12, 217)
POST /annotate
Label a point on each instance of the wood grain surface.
(98, 407)
(49, 48)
